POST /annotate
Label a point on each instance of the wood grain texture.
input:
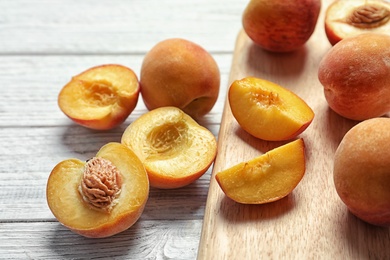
(310, 223)
(44, 43)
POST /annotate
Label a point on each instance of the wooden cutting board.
(310, 223)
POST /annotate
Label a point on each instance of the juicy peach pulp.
(349, 18)
(266, 178)
(68, 206)
(174, 148)
(101, 97)
(267, 110)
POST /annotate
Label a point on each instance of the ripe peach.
(267, 110)
(174, 148)
(266, 178)
(355, 74)
(180, 73)
(101, 197)
(349, 18)
(101, 97)
(362, 171)
(281, 26)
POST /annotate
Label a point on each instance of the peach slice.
(174, 148)
(101, 97)
(266, 178)
(267, 110)
(101, 197)
(350, 18)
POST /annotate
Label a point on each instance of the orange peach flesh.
(342, 18)
(101, 97)
(68, 206)
(267, 110)
(174, 148)
(266, 178)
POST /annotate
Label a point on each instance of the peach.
(281, 26)
(355, 74)
(101, 97)
(177, 72)
(349, 18)
(173, 147)
(101, 197)
(268, 111)
(362, 171)
(266, 178)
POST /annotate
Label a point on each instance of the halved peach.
(174, 148)
(266, 178)
(267, 110)
(350, 18)
(101, 197)
(101, 97)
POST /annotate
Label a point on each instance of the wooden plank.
(122, 27)
(310, 223)
(145, 240)
(32, 102)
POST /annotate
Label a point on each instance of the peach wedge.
(101, 97)
(174, 148)
(266, 178)
(101, 197)
(267, 110)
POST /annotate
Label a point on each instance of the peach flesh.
(101, 97)
(266, 178)
(70, 209)
(174, 148)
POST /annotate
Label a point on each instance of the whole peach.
(281, 26)
(177, 72)
(362, 171)
(355, 74)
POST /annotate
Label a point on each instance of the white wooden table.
(45, 42)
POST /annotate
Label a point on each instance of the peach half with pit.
(350, 18)
(173, 147)
(267, 110)
(266, 178)
(101, 197)
(101, 97)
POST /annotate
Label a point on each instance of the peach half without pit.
(101, 97)
(173, 147)
(267, 110)
(266, 178)
(101, 197)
